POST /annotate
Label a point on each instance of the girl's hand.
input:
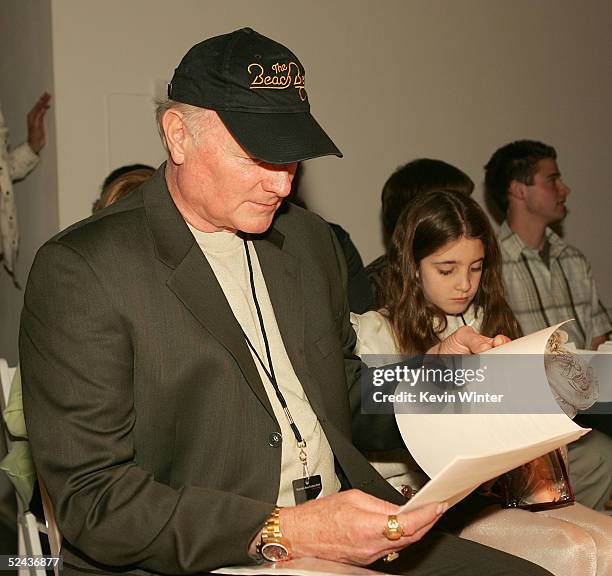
(466, 340)
(500, 340)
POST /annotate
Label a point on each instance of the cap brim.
(279, 138)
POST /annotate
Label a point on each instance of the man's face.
(545, 198)
(225, 187)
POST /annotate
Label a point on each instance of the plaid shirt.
(540, 297)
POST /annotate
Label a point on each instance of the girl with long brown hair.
(444, 272)
(444, 266)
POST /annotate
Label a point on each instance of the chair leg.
(53, 532)
(29, 542)
(21, 547)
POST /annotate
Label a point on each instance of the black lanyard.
(270, 372)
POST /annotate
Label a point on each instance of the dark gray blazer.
(147, 417)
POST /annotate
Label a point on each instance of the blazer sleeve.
(347, 334)
(77, 363)
(369, 431)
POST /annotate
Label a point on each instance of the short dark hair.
(515, 161)
(414, 179)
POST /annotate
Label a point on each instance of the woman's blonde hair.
(122, 185)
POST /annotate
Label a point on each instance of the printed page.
(465, 473)
(600, 361)
(461, 451)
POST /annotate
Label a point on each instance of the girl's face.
(450, 277)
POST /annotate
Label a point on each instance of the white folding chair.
(53, 532)
(28, 528)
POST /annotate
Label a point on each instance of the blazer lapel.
(194, 282)
(284, 283)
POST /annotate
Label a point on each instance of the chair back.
(28, 527)
(6, 376)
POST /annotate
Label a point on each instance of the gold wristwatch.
(273, 547)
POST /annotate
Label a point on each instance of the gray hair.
(196, 119)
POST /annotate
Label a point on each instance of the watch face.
(274, 552)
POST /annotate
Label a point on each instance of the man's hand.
(348, 527)
(36, 127)
(466, 340)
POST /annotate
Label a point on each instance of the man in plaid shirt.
(548, 281)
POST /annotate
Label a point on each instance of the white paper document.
(600, 361)
(300, 567)
(459, 452)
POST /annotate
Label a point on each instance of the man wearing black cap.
(186, 356)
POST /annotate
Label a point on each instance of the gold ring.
(393, 530)
(391, 556)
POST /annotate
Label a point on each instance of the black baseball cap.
(257, 88)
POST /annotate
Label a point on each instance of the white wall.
(390, 80)
(26, 69)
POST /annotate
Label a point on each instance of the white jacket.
(14, 165)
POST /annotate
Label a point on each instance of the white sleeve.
(374, 334)
(21, 161)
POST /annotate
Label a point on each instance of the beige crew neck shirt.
(226, 255)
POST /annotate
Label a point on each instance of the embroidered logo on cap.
(281, 77)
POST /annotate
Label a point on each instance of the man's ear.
(517, 190)
(176, 134)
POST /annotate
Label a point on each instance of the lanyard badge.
(308, 487)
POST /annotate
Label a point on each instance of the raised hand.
(37, 137)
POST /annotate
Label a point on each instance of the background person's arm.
(24, 158)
